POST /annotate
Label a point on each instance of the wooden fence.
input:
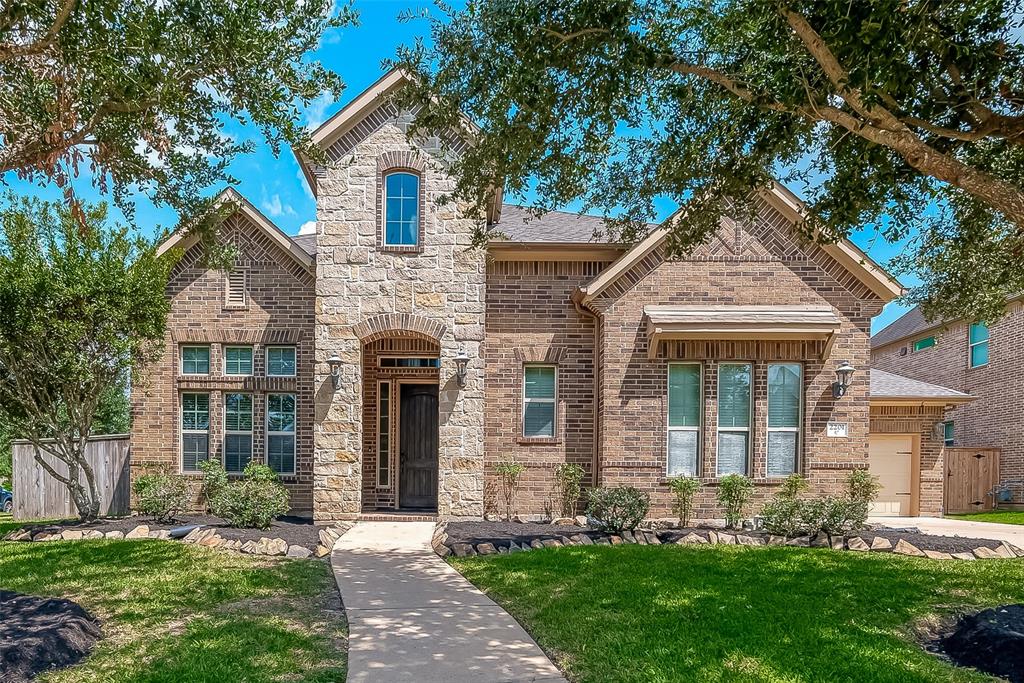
(971, 473)
(37, 495)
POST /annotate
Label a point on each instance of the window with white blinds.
(785, 393)
(734, 381)
(684, 418)
(235, 283)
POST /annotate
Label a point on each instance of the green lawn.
(174, 612)
(677, 613)
(997, 516)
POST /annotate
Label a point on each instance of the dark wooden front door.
(418, 443)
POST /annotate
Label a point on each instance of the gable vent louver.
(235, 288)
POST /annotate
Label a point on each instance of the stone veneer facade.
(366, 292)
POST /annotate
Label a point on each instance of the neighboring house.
(388, 364)
(974, 358)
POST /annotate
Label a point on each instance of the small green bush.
(617, 509)
(862, 486)
(254, 502)
(783, 516)
(789, 516)
(162, 496)
(684, 489)
(568, 479)
(734, 491)
(508, 473)
(793, 486)
(214, 481)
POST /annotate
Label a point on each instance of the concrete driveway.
(940, 526)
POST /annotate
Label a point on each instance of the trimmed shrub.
(783, 516)
(508, 473)
(255, 501)
(568, 477)
(215, 479)
(734, 491)
(793, 486)
(684, 489)
(862, 486)
(789, 516)
(162, 496)
(617, 509)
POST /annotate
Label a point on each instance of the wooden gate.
(37, 495)
(971, 473)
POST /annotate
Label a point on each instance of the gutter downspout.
(576, 298)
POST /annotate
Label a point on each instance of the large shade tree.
(139, 92)
(84, 305)
(903, 114)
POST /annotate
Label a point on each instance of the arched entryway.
(400, 421)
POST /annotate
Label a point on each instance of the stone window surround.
(408, 162)
(538, 356)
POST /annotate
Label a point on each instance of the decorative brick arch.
(399, 325)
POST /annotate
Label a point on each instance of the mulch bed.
(42, 634)
(991, 641)
(503, 534)
(294, 530)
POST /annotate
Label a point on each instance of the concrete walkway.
(957, 527)
(412, 617)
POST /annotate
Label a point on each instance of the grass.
(174, 612)
(677, 613)
(997, 516)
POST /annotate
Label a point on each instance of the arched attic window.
(402, 210)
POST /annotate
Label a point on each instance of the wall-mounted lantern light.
(843, 374)
(461, 363)
(335, 364)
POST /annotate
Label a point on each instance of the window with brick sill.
(402, 217)
(540, 403)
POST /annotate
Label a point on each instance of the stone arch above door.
(399, 325)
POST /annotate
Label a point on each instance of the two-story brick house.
(971, 357)
(386, 363)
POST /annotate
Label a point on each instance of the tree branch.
(15, 51)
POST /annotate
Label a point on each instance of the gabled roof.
(887, 387)
(845, 252)
(184, 240)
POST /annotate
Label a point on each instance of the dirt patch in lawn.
(991, 641)
(293, 530)
(42, 634)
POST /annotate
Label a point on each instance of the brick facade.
(278, 311)
(918, 422)
(994, 419)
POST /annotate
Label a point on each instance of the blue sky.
(276, 185)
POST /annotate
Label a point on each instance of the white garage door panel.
(889, 459)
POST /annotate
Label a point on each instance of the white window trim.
(266, 359)
(526, 401)
(183, 431)
(252, 360)
(971, 345)
(380, 416)
(799, 429)
(699, 428)
(718, 417)
(181, 359)
(384, 209)
(293, 433)
(238, 432)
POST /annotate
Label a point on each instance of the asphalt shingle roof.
(520, 224)
(908, 324)
(306, 242)
(884, 384)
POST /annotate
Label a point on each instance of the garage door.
(889, 459)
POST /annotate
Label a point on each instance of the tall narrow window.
(539, 400)
(195, 430)
(785, 391)
(947, 433)
(235, 282)
(401, 209)
(280, 361)
(281, 433)
(195, 360)
(238, 360)
(384, 434)
(237, 431)
(684, 411)
(978, 344)
(733, 418)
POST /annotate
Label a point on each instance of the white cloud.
(315, 113)
(274, 207)
(308, 228)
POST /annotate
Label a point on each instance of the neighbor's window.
(237, 431)
(280, 361)
(947, 433)
(539, 400)
(195, 360)
(195, 430)
(922, 344)
(238, 360)
(978, 344)
(281, 433)
(785, 390)
(733, 418)
(384, 434)
(684, 411)
(401, 209)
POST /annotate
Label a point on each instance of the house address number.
(836, 430)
